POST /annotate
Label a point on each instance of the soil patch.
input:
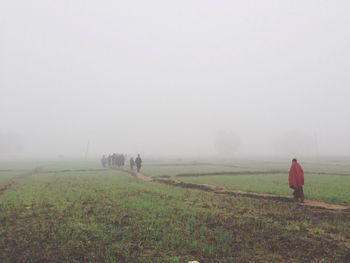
(139, 176)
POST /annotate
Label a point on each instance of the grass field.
(155, 170)
(319, 187)
(77, 212)
(323, 181)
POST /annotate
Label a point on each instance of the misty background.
(174, 77)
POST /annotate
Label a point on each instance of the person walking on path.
(138, 162)
(296, 181)
(104, 161)
(132, 163)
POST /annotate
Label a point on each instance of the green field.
(78, 212)
(156, 170)
(323, 181)
(317, 186)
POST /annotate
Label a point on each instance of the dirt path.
(230, 173)
(267, 172)
(224, 190)
(139, 176)
(12, 181)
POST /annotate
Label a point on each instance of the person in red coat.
(296, 180)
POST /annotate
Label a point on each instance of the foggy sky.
(165, 77)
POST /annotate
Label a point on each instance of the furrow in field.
(224, 190)
(230, 173)
(11, 182)
(251, 173)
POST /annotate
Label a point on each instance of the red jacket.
(296, 175)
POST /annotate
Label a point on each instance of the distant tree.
(227, 142)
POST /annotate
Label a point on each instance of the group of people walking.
(113, 160)
(118, 160)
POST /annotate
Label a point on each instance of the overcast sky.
(165, 77)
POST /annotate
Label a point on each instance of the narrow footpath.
(224, 190)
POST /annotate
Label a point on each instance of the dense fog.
(174, 77)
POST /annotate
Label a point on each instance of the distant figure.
(132, 163)
(109, 160)
(138, 162)
(104, 161)
(114, 159)
(296, 181)
(122, 160)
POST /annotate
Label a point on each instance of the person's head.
(294, 160)
(138, 155)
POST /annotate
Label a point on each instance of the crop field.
(156, 170)
(265, 177)
(317, 186)
(78, 212)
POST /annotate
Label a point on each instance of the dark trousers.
(138, 168)
(298, 194)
